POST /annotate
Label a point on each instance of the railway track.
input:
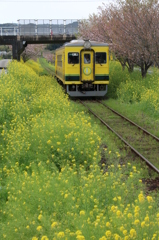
(49, 71)
(141, 142)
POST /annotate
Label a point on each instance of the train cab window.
(73, 58)
(87, 58)
(100, 57)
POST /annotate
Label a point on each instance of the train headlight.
(87, 44)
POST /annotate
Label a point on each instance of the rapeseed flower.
(103, 238)
(60, 235)
(78, 232)
(39, 228)
(82, 212)
(149, 199)
(141, 198)
(108, 224)
(80, 237)
(108, 233)
(133, 233)
(44, 238)
(40, 217)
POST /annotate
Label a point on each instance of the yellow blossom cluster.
(38, 208)
(41, 119)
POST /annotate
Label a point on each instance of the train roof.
(80, 43)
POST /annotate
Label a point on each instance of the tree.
(6, 48)
(33, 52)
(100, 27)
(131, 27)
(97, 28)
(134, 27)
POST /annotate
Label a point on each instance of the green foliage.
(129, 91)
(4, 48)
(132, 88)
(116, 77)
(142, 91)
(7, 56)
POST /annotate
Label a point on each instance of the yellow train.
(83, 68)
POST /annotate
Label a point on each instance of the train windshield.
(73, 58)
(100, 57)
(87, 58)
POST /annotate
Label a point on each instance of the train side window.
(59, 60)
(73, 58)
(101, 57)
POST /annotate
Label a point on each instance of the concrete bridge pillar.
(17, 48)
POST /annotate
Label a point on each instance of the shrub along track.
(143, 143)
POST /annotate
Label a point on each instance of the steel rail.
(132, 148)
(127, 119)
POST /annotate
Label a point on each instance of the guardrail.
(8, 31)
(42, 27)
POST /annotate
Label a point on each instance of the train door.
(87, 63)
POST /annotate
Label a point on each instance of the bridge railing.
(48, 27)
(8, 31)
(44, 27)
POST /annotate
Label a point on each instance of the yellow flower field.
(52, 186)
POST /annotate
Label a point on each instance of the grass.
(136, 113)
(135, 97)
(52, 185)
(48, 67)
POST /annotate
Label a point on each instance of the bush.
(116, 77)
(145, 91)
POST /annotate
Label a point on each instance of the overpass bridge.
(37, 31)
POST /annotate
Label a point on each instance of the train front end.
(86, 72)
(91, 60)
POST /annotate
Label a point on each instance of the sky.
(12, 10)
